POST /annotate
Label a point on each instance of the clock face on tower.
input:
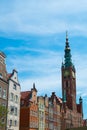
(66, 73)
(73, 74)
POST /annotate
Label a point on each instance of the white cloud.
(43, 17)
(46, 59)
(46, 66)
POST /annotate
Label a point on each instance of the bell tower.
(68, 78)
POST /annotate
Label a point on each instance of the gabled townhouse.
(54, 112)
(13, 115)
(49, 109)
(29, 110)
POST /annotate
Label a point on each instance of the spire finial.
(67, 43)
(66, 34)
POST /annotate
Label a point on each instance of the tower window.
(66, 83)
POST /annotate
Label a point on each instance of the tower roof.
(67, 56)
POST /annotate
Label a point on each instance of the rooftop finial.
(34, 85)
(34, 88)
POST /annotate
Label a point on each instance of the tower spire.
(67, 43)
(68, 60)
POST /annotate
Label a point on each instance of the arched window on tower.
(66, 83)
(68, 86)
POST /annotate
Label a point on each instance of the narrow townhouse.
(13, 115)
(41, 113)
(54, 112)
(29, 110)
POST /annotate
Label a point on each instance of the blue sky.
(32, 35)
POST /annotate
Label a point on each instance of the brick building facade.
(49, 112)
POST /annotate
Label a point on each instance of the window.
(14, 86)
(3, 120)
(15, 123)
(0, 91)
(12, 97)
(66, 83)
(16, 99)
(10, 123)
(15, 111)
(4, 93)
(11, 109)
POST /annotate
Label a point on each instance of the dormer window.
(15, 78)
